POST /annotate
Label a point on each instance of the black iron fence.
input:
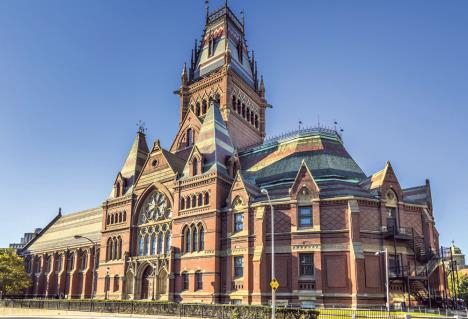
(162, 308)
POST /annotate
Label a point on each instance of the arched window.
(243, 110)
(108, 219)
(58, 263)
(168, 242)
(70, 261)
(116, 249)
(187, 202)
(200, 200)
(147, 245)
(194, 167)
(141, 245)
(160, 243)
(197, 109)
(195, 239)
(182, 203)
(247, 114)
(124, 216)
(120, 217)
(239, 111)
(234, 103)
(240, 49)
(211, 46)
(119, 251)
(116, 282)
(198, 280)
(204, 107)
(117, 190)
(47, 263)
(84, 260)
(187, 240)
(153, 244)
(207, 199)
(256, 121)
(189, 137)
(109, 249)
(185, 281)
(112, 218)
(194, 201)
(201, 245)
(252, 118)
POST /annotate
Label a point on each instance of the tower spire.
(207, 9)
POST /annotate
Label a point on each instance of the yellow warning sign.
(274, 284)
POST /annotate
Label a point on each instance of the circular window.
(154, 163)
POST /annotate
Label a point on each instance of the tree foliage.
(462, 287)
(13, 276)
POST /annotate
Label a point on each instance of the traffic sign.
(274, 284)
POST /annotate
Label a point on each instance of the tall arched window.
(70, 261)
(206, 199)
(201, 245)
(124, 216)
(187, 202)
(160, 243)
(109, 249)
(141, 245)
(182, 203)
(168, 242)
(116, 248)
(153, 244)
(108, 219)
(187, 240)
(247, 114)
(194, 201)
(189, 137)
(58, 263)
(204, 107)
(194, 166)
(197, 109)
(211, 46)
(200, 200)
(256, 121)
(243, 110)
(195, 239)
(147, 245)
(119, 251)
(239, 111)
(84, 260)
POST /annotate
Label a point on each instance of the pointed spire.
(207, 9)
(262, 87)
(184, 75)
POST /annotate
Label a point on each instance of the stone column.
(258, 260)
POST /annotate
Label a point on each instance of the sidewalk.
(48, 313)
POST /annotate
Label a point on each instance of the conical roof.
(134, 162)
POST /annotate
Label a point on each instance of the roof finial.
(184, 74)
(207, 8)
(242, 13)
(262, 87)
(60, 211)
(300, 124)
(226, 3)
(141, 127)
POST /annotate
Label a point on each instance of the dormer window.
(195, 167)
(240, 49)
(211, 46)
(189, 137)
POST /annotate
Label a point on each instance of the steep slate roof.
(213, 142)
(134, 163)
(60, 233)
(225, 41)
(275, 163)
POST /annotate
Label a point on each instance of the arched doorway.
(162, 283)
(146, 279)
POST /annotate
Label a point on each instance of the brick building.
(190, 223)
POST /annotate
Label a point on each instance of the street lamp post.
(94, 263)
(385, 252)
(273, 276)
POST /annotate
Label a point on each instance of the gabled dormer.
(194, 164)
(188, 133)
(119, 185)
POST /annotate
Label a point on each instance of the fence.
(162, 308)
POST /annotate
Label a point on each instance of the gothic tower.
(222, 69)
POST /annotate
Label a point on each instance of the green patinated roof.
(277, 161)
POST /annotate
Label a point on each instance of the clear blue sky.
(75, 77)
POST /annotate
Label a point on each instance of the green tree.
(13, 277)
(462, 287)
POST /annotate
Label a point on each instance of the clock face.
(156, 206)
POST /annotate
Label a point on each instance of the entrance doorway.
(146, 283)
